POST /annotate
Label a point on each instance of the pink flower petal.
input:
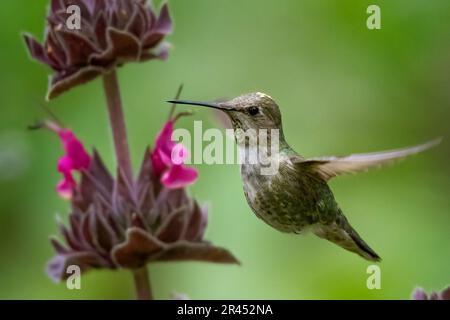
(164, 137)
(176, 155)
(66, 186)
(179, 154)
(168, 158)
(75, 159)
(157, 164)
(65, 164)
(179, 177)
(165, 157)
(74, 150)
(161, 153)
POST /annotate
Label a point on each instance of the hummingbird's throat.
(259, 149)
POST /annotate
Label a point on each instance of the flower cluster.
(111, 33)
(167, 159)
(115, 223)
(121, 220)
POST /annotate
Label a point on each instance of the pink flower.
(168, 160)
(68, 183)
(75, 159)
(75, 152)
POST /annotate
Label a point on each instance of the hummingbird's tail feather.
(342, 234)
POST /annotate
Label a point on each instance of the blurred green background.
(342, 88)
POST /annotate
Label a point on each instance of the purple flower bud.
(111, 33)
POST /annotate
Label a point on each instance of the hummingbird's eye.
(253, 110)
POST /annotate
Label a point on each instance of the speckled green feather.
(298, 199)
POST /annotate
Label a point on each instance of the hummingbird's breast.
(287, 200)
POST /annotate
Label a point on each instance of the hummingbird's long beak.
(214, 105)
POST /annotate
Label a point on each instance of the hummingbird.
(296, 198)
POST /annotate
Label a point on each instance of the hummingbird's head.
(248, 111)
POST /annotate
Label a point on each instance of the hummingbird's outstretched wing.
(330, 167)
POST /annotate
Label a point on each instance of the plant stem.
(117, 122)
(142, 284)
(118, 128)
